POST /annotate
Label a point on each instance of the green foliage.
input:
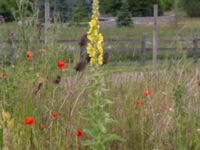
(6, 9)
(67, 8)
(178, 95)
(167, 4)
(95, 114)
(192, 7)
(144, 8)
(110, 7)
(124, 16)
(78, 14)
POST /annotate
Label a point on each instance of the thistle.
(95, 45)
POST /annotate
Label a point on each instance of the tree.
(144, 8)
(78, 13)
(111, 7)
(192, 7)
(167, 4)
(124, 16)
(7, 7)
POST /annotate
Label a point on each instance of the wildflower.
(29, 54)
(79, 134)
(42, 126)
(4, 75)
(137, 103)
(95, 45)
(54, 115)
(147, 93)
(29, 120)
(60, 64)
(171, 109)
(199, 82)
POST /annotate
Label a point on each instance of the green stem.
(142, 130)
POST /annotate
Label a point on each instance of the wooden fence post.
(143, 49)
(47, 17)
(155, 38)
(176, 12)
(194, 48)
(10, 47)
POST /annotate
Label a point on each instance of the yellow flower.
(93, 23)
(95, 46)
(100, 38)
(92, 61)
(100, 59)
(99, 47)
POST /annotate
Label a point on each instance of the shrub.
(192, 7)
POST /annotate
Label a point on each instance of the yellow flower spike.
(6, 116)
(92, 61)
(93, 23)
(95, 46)
(100, 60)
(100, 38)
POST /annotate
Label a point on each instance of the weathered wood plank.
(155, 38)
(119, 40)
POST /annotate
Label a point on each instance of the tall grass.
(168, 120)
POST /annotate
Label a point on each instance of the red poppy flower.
(54, 115)
(147, 93)
(79, 134)
(199, 82)
(60, 64)
(137, 103)
(29, 54)
(42, 126)
(29, 120)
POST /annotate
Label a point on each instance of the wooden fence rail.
(126, 40)
(143, 42)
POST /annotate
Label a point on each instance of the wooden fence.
(143, 45)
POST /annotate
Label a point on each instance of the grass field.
(167, 120)
(150, 111)
(186, 28)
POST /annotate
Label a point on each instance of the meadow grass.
(158, 124)
(186, 28)
(165, 119)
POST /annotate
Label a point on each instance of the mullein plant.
(97, 119)
(95, 45)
